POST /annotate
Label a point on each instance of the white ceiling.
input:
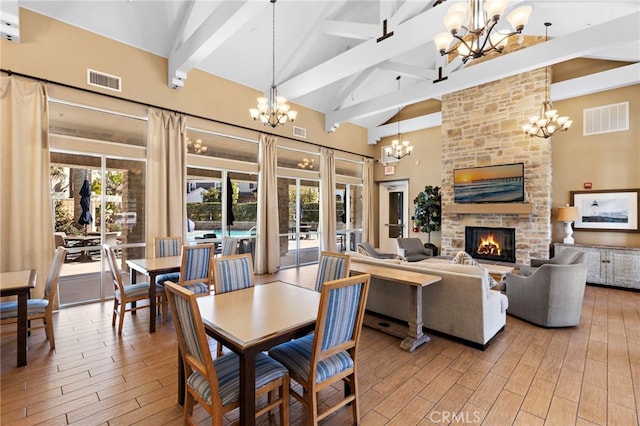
(327, 56)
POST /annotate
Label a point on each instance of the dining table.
(19, 283)
(253, 320)
(152, 267)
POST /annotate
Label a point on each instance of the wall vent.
(106, 81)
(300, 132)
(606, 119)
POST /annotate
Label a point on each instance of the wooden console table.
(414, 336)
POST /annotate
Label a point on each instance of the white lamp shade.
(442, 41)
(519, 17)
(453, 21)
(494, 7)
(292, 115)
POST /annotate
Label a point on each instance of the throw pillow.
(464, 258)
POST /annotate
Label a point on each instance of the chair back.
(167, 246)
(229, 246)
(192, 338)
(113, 267)
(51, 285)
(233, 273)
(196, 264)
(332, 266)
(340, 317)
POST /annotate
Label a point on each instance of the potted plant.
(427, 212)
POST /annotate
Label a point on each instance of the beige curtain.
(166, 176)
(328, 199)
(26, 224)
(267, 258)
(368, 218)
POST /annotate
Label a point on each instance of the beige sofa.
(461, 305)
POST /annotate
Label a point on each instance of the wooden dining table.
(253, 320)
(152, 267)
(19, 283)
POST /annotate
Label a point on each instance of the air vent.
(300, 132)
(106, 81)
(606, 119)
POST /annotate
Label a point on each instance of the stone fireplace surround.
(481, 127)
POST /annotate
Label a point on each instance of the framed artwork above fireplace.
(607, 210)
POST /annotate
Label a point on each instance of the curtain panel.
(328, 199)
(26, 224)
(267, 258)
(166, 176)
(368, 218)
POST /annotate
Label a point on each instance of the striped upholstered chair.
(195, 269)
(166, 247)
(39, 309)
(232, 273)
(332, 266)
(328, 356)
(229, 246)
(213, 383)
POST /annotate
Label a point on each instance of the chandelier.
(474, 33)
(195, 147)
(399, 148)
(307, 164)
(548, 122)
(274, 110)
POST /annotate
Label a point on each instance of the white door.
(394, 214)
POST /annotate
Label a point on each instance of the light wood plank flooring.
(584, 375)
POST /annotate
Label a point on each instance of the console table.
(413, 336)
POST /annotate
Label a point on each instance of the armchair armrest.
(540, 262)
(427, 251)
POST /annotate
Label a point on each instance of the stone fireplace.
(481, 127)
(497, 244)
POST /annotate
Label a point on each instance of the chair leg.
(354, 405)
(49, 332)
(123, 312)
(115, 312)
(284, 394)
(313, 407)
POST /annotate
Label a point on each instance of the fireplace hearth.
(498, 244)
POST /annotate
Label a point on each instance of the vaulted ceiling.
(328, 57)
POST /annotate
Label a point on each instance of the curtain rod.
(44, 80)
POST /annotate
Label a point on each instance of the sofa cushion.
(463, 258)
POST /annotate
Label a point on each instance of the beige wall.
(58, 52)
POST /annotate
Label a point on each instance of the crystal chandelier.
(195, 147)
(474, 33)
(548, 122)
(399, 148)
(274, 110)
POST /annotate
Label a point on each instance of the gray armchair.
(412, 249)
(368, 250)
(567, 256)
(551, 296)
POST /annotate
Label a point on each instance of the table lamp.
(567, 215)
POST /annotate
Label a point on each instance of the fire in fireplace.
(497, 244)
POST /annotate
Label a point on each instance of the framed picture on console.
(607, 210)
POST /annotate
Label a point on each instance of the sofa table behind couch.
(416, 280)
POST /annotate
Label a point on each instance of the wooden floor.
(583, 375)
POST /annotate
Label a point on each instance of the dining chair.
(229, 246)
(166, 247)
(124, 294)
(39, 308)
(195, 269)
(232, 273)
(332, 266)
(329, 355)
(214, 383)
